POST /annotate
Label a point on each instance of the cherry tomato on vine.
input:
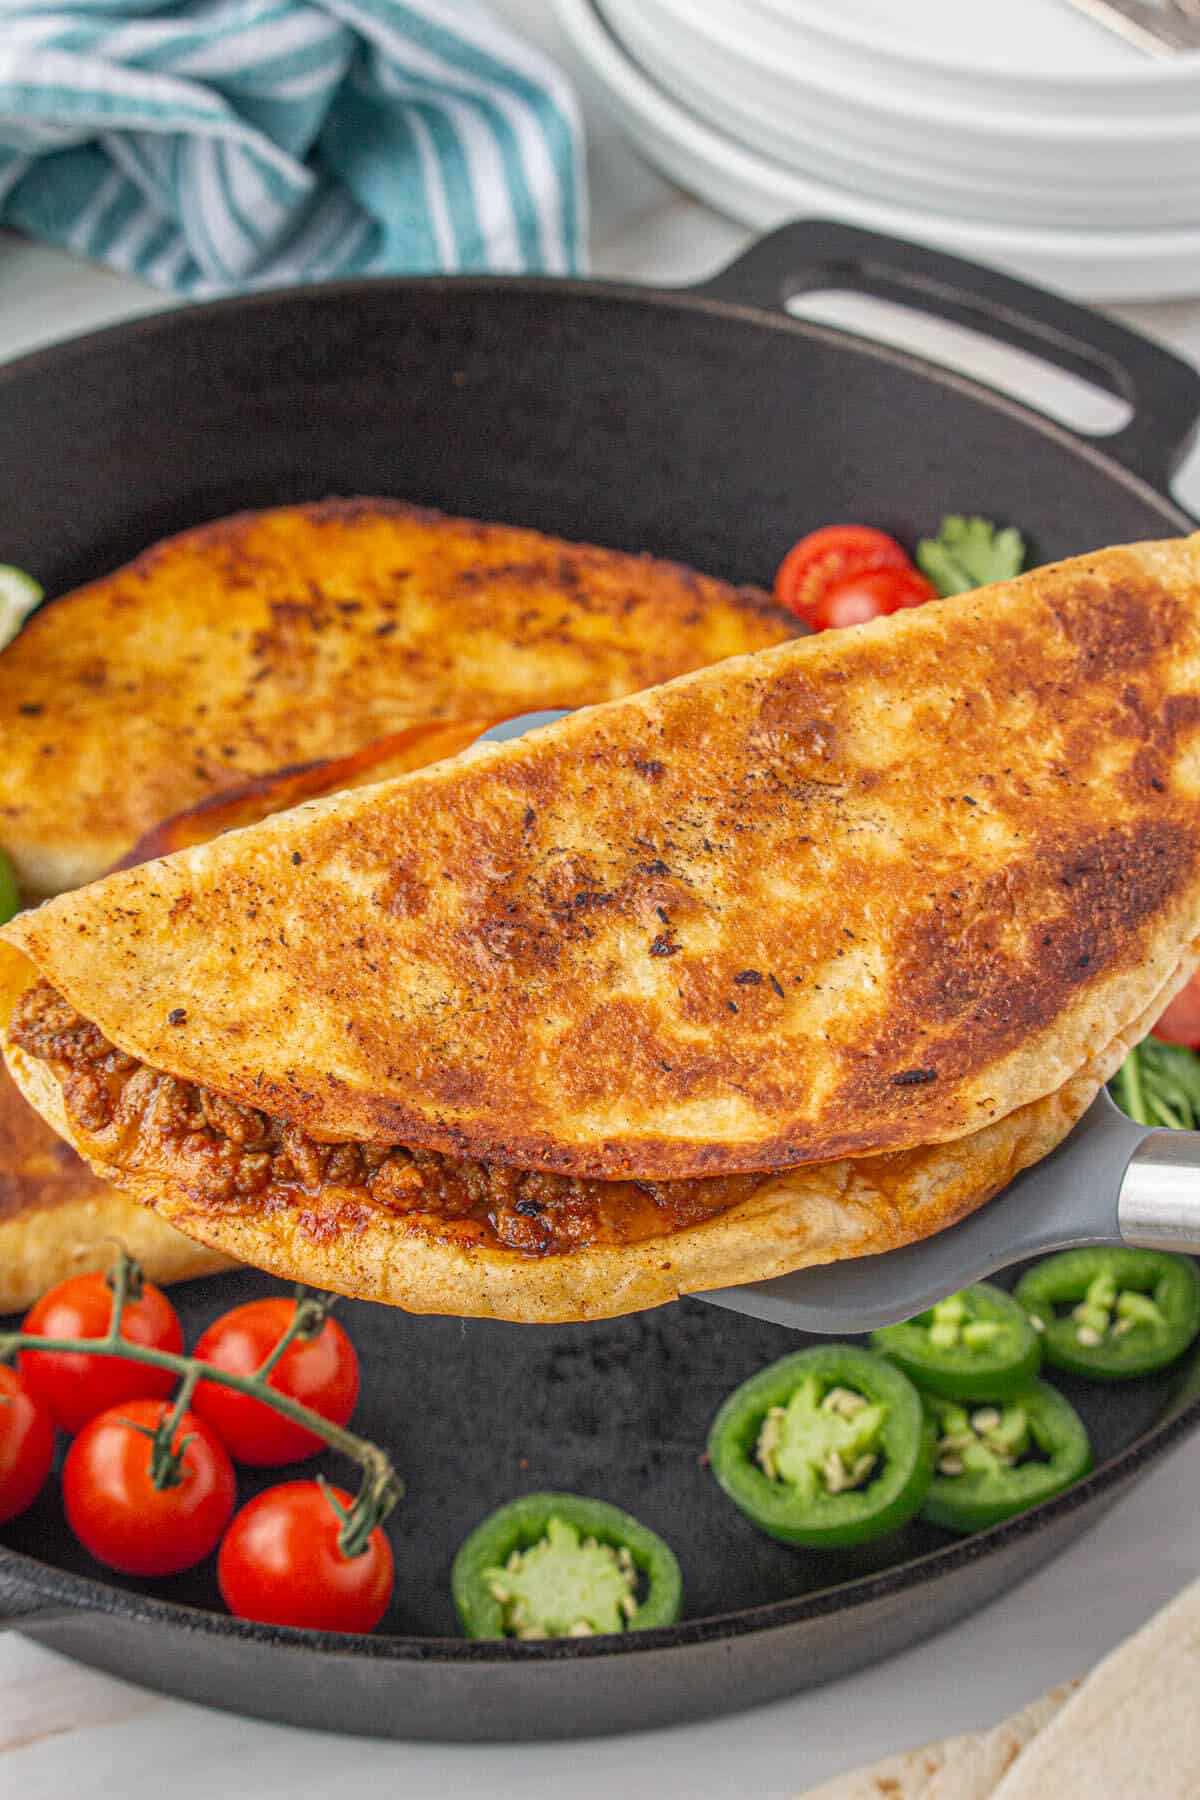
(280, 1563)
(74, 1387)
(26, 1446)
(1180, 1023)
(114, 1508)
(824, 560)
(321, 1372)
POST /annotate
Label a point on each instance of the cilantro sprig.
(969, 553)
(10, 899)
(1159, 1084)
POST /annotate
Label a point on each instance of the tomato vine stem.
(380, 1487)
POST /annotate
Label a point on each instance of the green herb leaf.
(1159, 1084)
(969, 553)
(10, 900)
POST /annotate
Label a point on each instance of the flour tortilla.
(966, 1767)
(875, 911)
(1133, 1729)
(1130, 1729)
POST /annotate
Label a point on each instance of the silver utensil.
(1110, 1182)
(520, 725)
(1159, 30)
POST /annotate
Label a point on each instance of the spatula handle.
(1159, 1204)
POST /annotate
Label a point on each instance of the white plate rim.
(936, 114)
(1064, 252)
(1163, 72)
(633, 23)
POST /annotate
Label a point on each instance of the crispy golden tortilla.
(887, 901)
(862, 892)
(250, 645)
(250, 664)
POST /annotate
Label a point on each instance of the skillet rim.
(58, 1594)
(695, 298)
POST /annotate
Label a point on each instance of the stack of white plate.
(1015, 131)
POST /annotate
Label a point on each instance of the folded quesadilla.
(788, 959)
(260, 661)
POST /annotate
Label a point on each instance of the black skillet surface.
(704, 425)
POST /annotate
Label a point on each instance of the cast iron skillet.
(705, 425)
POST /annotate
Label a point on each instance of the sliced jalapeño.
(826, 1448)
(1113, 1314)
(977, 1345)
(559, 1565)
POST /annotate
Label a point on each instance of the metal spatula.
(1110, 1182)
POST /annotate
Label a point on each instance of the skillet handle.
(1159, 1204)
(1163, 391)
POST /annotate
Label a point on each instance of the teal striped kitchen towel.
(212, 145)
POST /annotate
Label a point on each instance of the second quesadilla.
(255, 643)
(57, 1218)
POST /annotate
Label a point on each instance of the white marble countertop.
(65, 1730)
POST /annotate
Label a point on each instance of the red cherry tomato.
(1180, 1024)
(280, 1564)
(825, 559)
(118, 1514)
(26, 1446)
(73, 1387)
(871, 596)
(320, 1372)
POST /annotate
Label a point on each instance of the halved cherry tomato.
(825, 559)
(74, 1387)
(114, 1508)
(320, 1372)
(871, 596)
(26, 1446)
(1180, 1024)
(280, 1564)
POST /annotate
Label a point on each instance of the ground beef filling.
(233, 1156)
